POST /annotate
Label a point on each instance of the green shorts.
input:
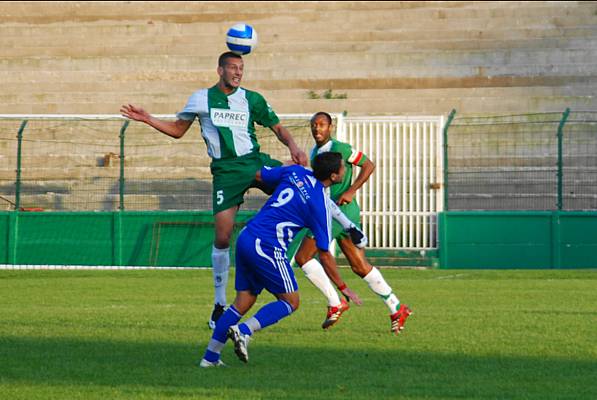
(353, 212)
(233, 177)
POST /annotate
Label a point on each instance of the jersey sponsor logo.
(298, 183)
(229, 118)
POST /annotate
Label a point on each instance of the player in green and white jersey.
(343, 194)
(227, 114)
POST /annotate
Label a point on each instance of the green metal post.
(118, 231)
(19, 152)
(13, 235)
(121, 180)
(556, 240)
(560, 158)
(446, 126)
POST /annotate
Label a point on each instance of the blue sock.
(268, 315)
(220, 335)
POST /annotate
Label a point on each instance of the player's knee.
(361, 268)
(294, 303)
(222, 241)
(301, 258)
(292, 300)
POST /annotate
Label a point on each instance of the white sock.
(316, 274)
(220, 261)
(253, 324)
(339, 216)
(379, 285)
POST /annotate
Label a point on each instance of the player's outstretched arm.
(298, 156)
(175, 129)
(331, 269)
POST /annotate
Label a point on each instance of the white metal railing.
(400, 202)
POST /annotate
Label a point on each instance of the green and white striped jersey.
(228, 121)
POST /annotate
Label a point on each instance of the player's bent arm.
(357, 236)
(339, 216)
(366, 170)
(284, 136)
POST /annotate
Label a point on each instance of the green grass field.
(138, 335)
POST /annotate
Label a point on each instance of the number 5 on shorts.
(219, 197)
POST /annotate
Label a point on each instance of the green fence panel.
(180, 239)
(518, 239)
(112, 238)
(578, 241)
(64, 238)
(4, 236)
(494, 240)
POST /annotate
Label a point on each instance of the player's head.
(328, 167)
(230, 70)
(321, 127)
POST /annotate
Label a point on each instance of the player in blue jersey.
(298, 201)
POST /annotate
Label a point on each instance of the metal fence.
(544, 161)
(106, 163)
(401, 200)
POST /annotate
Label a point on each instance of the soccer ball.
(241, 39)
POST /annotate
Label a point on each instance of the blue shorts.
(260, 265)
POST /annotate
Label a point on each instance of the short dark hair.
(224, 56)
(326, 164)
(326, 115)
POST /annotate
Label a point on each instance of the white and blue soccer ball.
(241, 39)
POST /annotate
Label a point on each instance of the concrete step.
(402, 63)
(331, 28)
(437, 106)
(41, 174)
(185, 45)
(441, 105)
(573, 76)
(286, 13)
(390, 94)
(111, 202)
(130, 12)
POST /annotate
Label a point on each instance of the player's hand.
(299, 157)
(345, 198)
(134, 113)
(357, 237)
(350, 295)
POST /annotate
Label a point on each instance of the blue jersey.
(298, 201)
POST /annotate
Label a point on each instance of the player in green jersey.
(343, 194)
(227, 114)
